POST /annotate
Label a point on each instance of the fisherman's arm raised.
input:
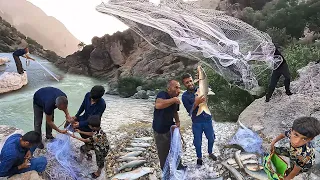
(164, 103)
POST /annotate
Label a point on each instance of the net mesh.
(228, 45)
(170, 171)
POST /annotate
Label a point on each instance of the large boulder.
(31, 175)
(277, 116)
(10, 81)
(3, 60)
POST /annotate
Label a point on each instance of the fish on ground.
(245, 156)
(235, 173)
(140, 144)
(153, 176)
(250, 161)
(238, 160)
(131, 154)
(259, 175)
(135, 174)
(254, 167)
(231, 161)
(131, 164)
(143, 139)
(135, 149)
(129, 159)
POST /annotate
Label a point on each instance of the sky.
(81, 18)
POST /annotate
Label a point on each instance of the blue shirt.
(46, 98)
(12, 155)
(188, 99)
(89, 110)
(20, 52)
(163, 118)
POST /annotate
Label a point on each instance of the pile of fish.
(250, 164)
(132, 159)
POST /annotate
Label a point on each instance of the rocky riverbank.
(11, 39)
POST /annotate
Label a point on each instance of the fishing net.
(250, 141)
(62, 151)
(232, 48)
(170, 171)
(64, 165)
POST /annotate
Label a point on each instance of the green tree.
(81, 45)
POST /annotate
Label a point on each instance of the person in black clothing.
(21, 52)
(283, 69)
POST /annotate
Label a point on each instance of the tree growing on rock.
(81, 45)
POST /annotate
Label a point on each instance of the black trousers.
(18, 64)
(38, 116)
(276, 74)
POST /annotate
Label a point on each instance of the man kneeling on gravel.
(16, 155)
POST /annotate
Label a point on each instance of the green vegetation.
(127, 86)
(285, 21)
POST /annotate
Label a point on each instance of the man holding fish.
(166, 109)
(195, 102)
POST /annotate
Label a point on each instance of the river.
(16, 107)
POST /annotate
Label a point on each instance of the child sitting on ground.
(98, 142)
(301, 151)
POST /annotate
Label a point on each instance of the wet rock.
(11, 81)
(3, 60)
(278, 115)
(142, 94)
(139, 88)
(151, 93)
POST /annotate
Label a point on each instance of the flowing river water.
(16, 107)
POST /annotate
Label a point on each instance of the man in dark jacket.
(283, 69)
(21, 52)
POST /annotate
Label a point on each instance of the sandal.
(94, 176)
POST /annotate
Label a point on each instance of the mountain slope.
(33, 22)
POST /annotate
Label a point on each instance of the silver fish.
(250, 161)
(238, 160)
(135, 149)
(259, 175)
(129, 159)
(203, 90)
(131, 154)
(153, 176)
(231, 161)
(218, 178)
(235, 173)
(143, 139)
(135, 174)
(273, 167)
(140, 144)
(131, 164)
(247, 156)
(254, 167)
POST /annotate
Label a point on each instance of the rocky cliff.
(277, 116)
(12, 39)
(50, 33)
(124, 54)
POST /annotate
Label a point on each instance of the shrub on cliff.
(127, 86)
(229, 101)
(155, 83)
(51, 56)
